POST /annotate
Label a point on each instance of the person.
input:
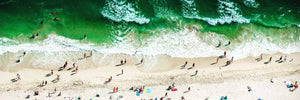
(42, 22)
(217, 60)
(53, 12)
(24, 53)
(76, 70)
(84, 55)
(166, 94)
(219, 44)
(45, 82)
(196, 72)
(18, 76)
(73, 65)
(56, 19)
(117, 89)
(173, 85)
(231, 60)
(284, 59)
(57, 77)
(185, 63)
(271, 80)
(142, 60)
(189, 89)
(51, 71)
(65, 65)
(84, 37)
(280, 58)
(182, 98)
(33, 36)
(37, 34)
(122, 71)
(249, 88)
(54, 90)
(224, 54)
(91, 53)
(114, 90)
(229, 43)
(193, 65)
(296, 85)
(122, 62)
(261, 56)
(270, 60)
(59, 94)
(125, 61)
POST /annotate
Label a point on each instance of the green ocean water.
(103, 20)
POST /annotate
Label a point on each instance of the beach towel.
(137, 93)
(148, 90)
(174, 89)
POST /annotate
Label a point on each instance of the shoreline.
(163, 72)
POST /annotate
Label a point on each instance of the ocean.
(177, 28)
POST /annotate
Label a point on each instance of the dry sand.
(156, 73)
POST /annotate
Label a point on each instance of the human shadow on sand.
(47, 75)
(266, 62)
(258, 59)
(13, 80)
(119, 64)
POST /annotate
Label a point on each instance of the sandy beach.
(156, 73)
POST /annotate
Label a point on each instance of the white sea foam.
(229, 12)
(185, 43)
(251, 3)
(120, 10)
(189, 9)
(298, 25)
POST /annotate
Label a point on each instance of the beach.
(155, 73)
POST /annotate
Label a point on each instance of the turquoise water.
(106, 22)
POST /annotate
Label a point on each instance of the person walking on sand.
(189, 89)
(84, 55)
(51, 71)
(125, 61)
(219, 44)
(117, 89)
(65, 65)
(270, 60)
(121, 62)
(231, 60)
(261, 56)
(76, 70)
(228, 43)
(166, 94)
(193, 65)
(185, 63)
(122, 72)
(46, 82)
(18, 76)
(114, 90)
(196, 72)
(142, 60)
(217, 60)
(224, 54)
(284, 59)
(57, 78)
(91, 53)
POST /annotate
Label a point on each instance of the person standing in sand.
(84, 55)
(217, 60)
(51, 71)
(122, 72)
(18, 76)
(224, 54)
(196, 72)
(284, 59)
(261, 55)
(193, 65)
(270, 60)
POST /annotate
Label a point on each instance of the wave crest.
(117, 10)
